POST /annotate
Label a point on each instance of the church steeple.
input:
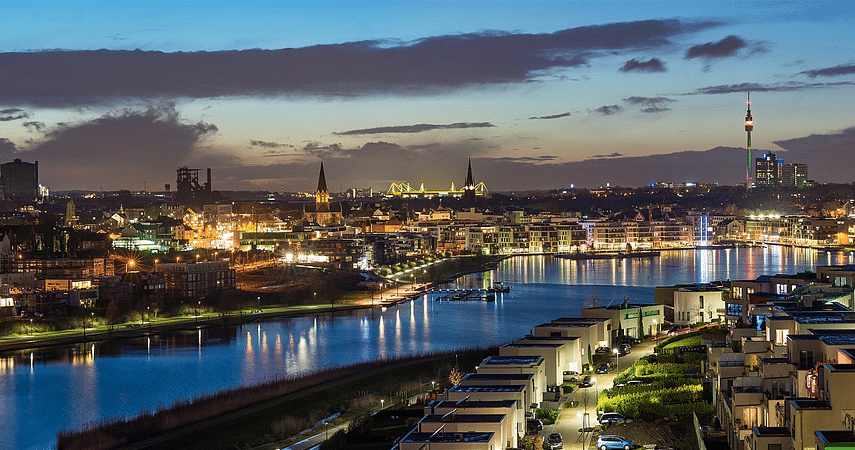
(470, 182)
(322, 195)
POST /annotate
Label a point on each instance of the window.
(701, 301)
(774, 447)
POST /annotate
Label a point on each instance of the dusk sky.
(538, 94)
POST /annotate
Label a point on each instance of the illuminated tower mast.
(749, 126)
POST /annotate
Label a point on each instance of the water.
(45, 390)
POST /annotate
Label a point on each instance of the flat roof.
(535, 345)
(464, 418)
(511, 360)
(448, 437)
(771, 431)
(803, 403)
(548, 338)
(841, 367)
(774, 361)
(489, 388)
(580, 319)
(498, 376)
(835, 337)
(473, 403)
(835, 436)
(566, 325)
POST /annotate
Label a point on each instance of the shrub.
(546, 414)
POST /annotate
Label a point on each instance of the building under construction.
(189, 191)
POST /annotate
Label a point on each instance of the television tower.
(749, 126)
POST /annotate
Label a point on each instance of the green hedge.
(648, 403)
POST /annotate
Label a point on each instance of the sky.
(538, 94)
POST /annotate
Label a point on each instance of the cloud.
(610, 155)
(836, 71)
(553, 116)
(10, 114)
(415, 128)
(33, 125)
(373, 67)
(609, 110)
(828, 155)
(722, 49)
(531, 159)
(267, 144)
(7, 148)
(787, 86)
(136, 146)
(651, 65)
(651, 104)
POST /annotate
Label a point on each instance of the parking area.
(584, 415)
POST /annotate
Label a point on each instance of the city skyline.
(558, 94)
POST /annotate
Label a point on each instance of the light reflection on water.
(44, 390)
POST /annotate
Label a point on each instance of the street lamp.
(655, 328)
(381, 403)
(130, 265)
(617, 359)
(155, 264)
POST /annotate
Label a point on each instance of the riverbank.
(397, 292)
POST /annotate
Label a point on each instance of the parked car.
(603, 368)
(554, 442)
(635, 382)
(533, 425)
(630, 340)
(607, 441)
(571, 375)
(611, 418)
(624, 349)
(603, 350)
(586, 381)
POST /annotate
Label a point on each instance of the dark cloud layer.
(610, 155)
(787, 86)
(7, 149)
(650, 104)
(722, 49)
(843, 69)
(609, 110)
(416, 128)
(8, 115)
(267, 144)
(33, 125)
(120, 149)
(553, 116)
(651, 65)
(828, 155)
(428, 65)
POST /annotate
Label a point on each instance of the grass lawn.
(689, 341)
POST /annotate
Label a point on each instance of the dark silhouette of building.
(767, 170)
(190, 192)
(469, 187)
(20, 180)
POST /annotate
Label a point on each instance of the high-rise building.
(20, 180)
(749, 127)
(767, 170)
(794, 175)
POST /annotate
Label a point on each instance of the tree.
(455, 376)
(112, 312)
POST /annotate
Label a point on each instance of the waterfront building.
(450, 441)
(633, 319)
(519, 393)
(570, 351)
(506, 407)
(534, 365)
(196, 280)
(554, 354)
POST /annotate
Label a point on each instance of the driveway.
(570, 420)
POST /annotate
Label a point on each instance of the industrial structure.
(749, 127)
(190, 192)
(20, 180)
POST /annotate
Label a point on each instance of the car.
(630, 340)
(571, 375)
(624, 349)
(612, 418)
(635, 382)
(586, 381)
(603, 350)
(603, 368)
(554, 442)
(533, 425)
(607, 441)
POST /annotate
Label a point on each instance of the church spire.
(322, 181)
(322, 195)
(470, 182)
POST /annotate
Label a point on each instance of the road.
(570, 420)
